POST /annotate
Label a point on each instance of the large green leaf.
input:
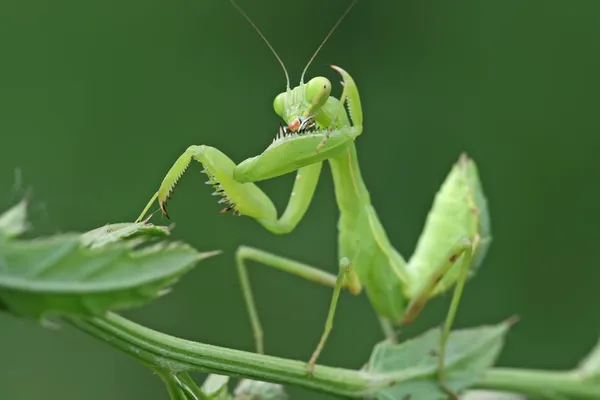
(86, 275)
(60, 275)
(414, 362)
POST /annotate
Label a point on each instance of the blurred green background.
(98, 98)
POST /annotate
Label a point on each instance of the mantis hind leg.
(467, 252)
(463, 248)
(344, 274)
(305, 271)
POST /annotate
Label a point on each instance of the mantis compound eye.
(317, 91)
(279, 104)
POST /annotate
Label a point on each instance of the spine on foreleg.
(459, 210)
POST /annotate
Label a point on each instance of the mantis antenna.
(287, 77)
(326, 38)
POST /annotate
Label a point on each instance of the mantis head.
(316, 124)
(303, 103)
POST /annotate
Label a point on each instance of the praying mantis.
(319, 127)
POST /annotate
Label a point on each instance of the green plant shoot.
(320, 127)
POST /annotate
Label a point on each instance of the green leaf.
(589, 368)
(469, 353)
(14, 221)
(63, 275)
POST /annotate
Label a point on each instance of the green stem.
(173, 354)
(539, 383)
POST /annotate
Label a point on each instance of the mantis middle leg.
(293, 267)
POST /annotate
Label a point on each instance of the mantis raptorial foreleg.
(351, 98)
(281, 263)
(241, 198)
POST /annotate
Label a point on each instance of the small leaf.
(589, 368)
(60, 275)
(468, 354)
(215, 387)
(14, 221)
(121, 231)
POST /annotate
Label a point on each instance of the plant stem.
(173, 354)
(539, 383)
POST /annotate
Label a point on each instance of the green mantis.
(319, 127)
